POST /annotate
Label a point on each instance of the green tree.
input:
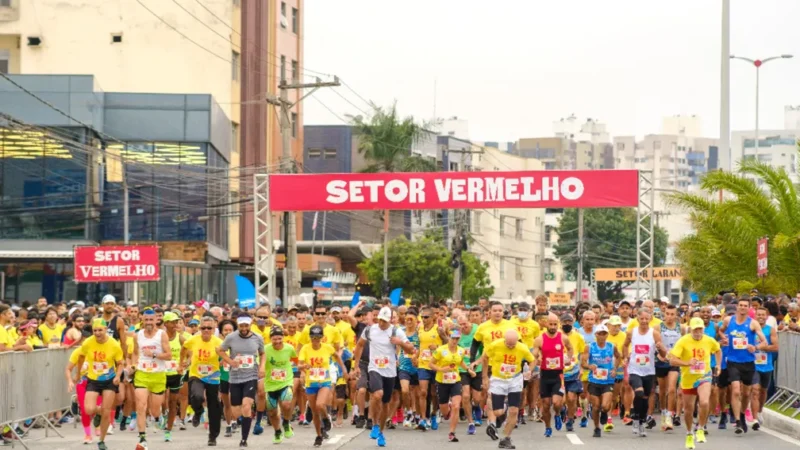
(609, 242)
(475, 281)
(422, 269)
(760, 201)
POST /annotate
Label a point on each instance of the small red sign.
(763, 248)
(97, 264)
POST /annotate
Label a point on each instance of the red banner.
(95, 264)
(761, 252)
(454, 190)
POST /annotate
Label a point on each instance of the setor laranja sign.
(108, 263)
(454, 190)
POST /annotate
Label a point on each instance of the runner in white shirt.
(150, 353)
(640, 349)
(383, 339)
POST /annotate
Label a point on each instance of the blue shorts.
(574, 386)
(426, 375)
(315, 387)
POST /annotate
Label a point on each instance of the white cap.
(71, 310)
(80, 304)
(664, 299)
(108, 298)
(600, 329)
(385, 314)
(715, 312)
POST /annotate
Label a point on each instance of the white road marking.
(780, 436)
(334, 439)
(574, 439)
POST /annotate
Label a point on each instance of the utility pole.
(459, 242)
(579, 294)
(291, 276)
(385, 284)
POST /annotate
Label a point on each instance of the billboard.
(659, 273)
(559, 299)
(454, 190)
(116, 263)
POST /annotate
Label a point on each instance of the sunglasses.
(262, 317)
(320, 313)
(426, 317)
(206, 328)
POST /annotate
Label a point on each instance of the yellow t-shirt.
(442, 357)
(205, 361)
(573, 367)
(528, 330)
(319, 362)
(34, 341)
(330, 335)
(507, 362)
(489, 331)
(348, 335)
(619, 342)
(426, 339)
(101, 359)
(655, 322)
(73, 358)
(273, 322)
(5, 337)
(687, 348)
(51, 336)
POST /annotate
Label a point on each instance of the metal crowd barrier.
(32, 387)
(787, 375)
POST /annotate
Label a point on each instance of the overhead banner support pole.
(645, 236)
(262, 237)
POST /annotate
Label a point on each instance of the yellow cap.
(99, 322)
(696, 323)
(615, 320)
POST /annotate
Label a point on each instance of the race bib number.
(205, 370)
(601, 374)
(641, 349)
(85, 367)
(761, 358)
(278, 374)
(171, 366)
(100, 368)
(508, 370)
(54, 345)
(698, 369)
(450, 377)
(642, 360)
(381, 363)
(317, 374)
(147, 366)
(739, 343)
(425, 355)
(552, 363)
(226, 367)
(246, 361)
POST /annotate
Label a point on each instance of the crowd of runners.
(381, 367)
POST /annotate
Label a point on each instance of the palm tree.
(385, 141)
(761, 202)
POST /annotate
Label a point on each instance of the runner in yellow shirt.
(431, 337)
(447, 360)
(528, 330)
(204, 376)
(104, 359)
(692, 353)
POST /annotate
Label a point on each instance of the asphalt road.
(525, 437)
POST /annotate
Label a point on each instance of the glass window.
(314, 152)
(235, 66)
(295, 23)
(294, 71)
(283, 15)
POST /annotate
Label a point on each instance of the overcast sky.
(512, 67)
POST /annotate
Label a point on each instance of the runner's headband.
(245, 320)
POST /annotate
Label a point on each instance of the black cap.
(514, 305)
(567, 318)
(524, 306)
(315, 332)
(276, 331)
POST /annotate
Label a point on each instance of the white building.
(573, 129)
(681, 125)
(509, 240)
(454, 127)
(791, 117)
(777, 148)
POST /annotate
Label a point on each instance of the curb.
(782, 424)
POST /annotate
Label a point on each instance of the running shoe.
(701, 436)
(96, 421)
(548, 432)
(288, 431)
(471, 429)
(690, 441)
(278, 438)
(434, 422)
(491, 431)
(376, 431)
(242, 444)
(558, 422)
(381, 440)
(748, 416)
(168, 436)
(597, 433)
(228, 431)
(452, 437)
(676, 421)
(182, 425)
(258, 429)
(212, 442)
(101, 446)
(87, 440)
(318, 441)
(650, 422)
(506, 443)
(609, 426)
(584, 422)
(642, 430)
(570, 425)
(667, 423)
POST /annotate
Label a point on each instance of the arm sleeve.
(474, 349)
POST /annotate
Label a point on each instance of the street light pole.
(757, 63)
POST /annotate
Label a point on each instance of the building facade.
(61, 182)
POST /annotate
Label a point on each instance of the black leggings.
(200, 392)
(641, 397)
